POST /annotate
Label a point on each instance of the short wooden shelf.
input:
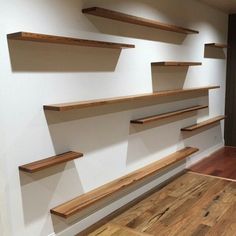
(43, 38)
(118, 16)
(49, 162)
(216, 45)
(166, 115)
(175, 63)
(86, 200)
(203, 124)
(132, 98)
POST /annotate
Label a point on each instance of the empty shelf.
(132, 98)
(216, 45)
(203, 124)
(118, 16)
(43, 38)
(86, 200)
(49, 162)
(175, 63)
(166, 115)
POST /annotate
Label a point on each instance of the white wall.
(33, 74)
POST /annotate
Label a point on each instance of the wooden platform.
(190, 205)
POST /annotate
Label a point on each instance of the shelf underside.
(43, 38)
(175, 63)
(118, 16)
(216, 45)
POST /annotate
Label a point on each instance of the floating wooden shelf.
(203, 124)
(216, 45)
(86, 200)
(49, 162)
(43, 38)
(166, 115)
(118, 16)
(132, 98)
(175, 63)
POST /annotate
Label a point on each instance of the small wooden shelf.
(118, 16)
(86, 200)
(216, 45)
(203, 124)
(175, 63)
(166, 115)
(132, 98)
(49, 162)
(43, 38)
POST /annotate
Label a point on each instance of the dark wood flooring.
(222, 163)
(191, 205)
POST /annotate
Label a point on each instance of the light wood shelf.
(118, 16)
(132, 98)
(43, 38)
(175, 63)
(49, 162)
(203, 124)
(149, 119)
(216, 45)
(86, 200)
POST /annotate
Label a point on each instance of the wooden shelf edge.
(149, 119)
(44, 38)
(203, 123)
(99, 102)
(119, 16)
(49, 162)
(216, 45)
(86, 200)
(175, 63)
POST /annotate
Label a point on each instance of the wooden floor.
(192, 204)
(221, 163)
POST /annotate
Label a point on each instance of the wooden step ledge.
(216, 45)
(49, 162)
(149, 119)
(203, 124)
(132, 98)
(175, 63)
(86, 200)
(44, 38)
(118, 16)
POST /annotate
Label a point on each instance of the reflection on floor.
(192, 204)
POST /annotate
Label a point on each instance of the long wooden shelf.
(132, 98)
(118, 16)
(49, 162)
(203, 124)
(216, 45)
(175, 63)
(43, 38)
(166, 115)
(86, 200)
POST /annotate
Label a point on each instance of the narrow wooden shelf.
(118, 16)
(175, 63)
(132, 98)
(43, 38)
(49, 162)
(166, 115)
(216, 45)
(203, 124)
(86, 200)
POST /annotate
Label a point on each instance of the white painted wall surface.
(33, 74)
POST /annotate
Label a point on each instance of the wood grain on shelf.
(131, 98)
(86, 200)
(43, 38)
(175, 63)
(167, 115)
(216, 45)
(203, 124)
(49, 162)
(118, 16)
